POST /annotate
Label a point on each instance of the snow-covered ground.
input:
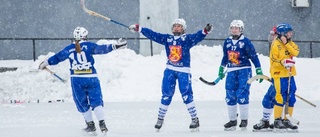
(137, 119)
(131, 87)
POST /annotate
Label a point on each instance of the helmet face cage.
(238, 24)
(80, 33)
(283, 29)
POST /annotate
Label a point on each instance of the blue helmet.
(283, 28)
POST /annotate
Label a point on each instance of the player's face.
(235, 30)
(289, 34)
(177, 28)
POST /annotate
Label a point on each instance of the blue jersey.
(177, 47)
(237, 53)
(81, 64)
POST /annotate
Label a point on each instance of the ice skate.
(230, 126)
(278, 126)
(103, 127)
(263, 126)
(290, 127)
(243, 125)
(158, 124)
(90, 129)
(194, 126)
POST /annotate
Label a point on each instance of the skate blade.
(94, 133)
(292, 130)
(293, 120)
(104, 133)
(230, 129)
(195, 129)
(262, 130)
(276, 130)
(157, 130)
(243, 128)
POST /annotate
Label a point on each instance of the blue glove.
(259, 72)
(221, 72)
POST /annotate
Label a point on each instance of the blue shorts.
(270, 99)
(237, 89)
(169, 84)
(86, 92)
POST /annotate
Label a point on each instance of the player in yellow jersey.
(282, 70)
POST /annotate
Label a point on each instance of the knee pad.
(269, 98)
(243, 99)
(187, 98)
(292, 101)
(230, 98)
(83, 109)
(96, 103)
(165, 100)
(266, 103)
(230, 102)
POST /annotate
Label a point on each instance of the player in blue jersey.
(237, 53)
(86, 90)
(177, 48)
(267, 104)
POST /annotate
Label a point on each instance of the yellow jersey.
(278, 53)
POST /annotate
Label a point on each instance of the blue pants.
(86, 92)
(169, 84)
(269, 99)
(237, 89)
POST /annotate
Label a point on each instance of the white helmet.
(237, 23)
(80, 33)
(180, 21)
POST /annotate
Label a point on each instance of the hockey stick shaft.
(216, 81)
(288, 91)
(305, 100)
(54, 74)
(210, 83)
(90, 12)
(268, 79)
(286, 107)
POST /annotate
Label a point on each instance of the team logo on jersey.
(228, 45)
(183, 37)
(83, 66)
(233, 56)
(175, 53)
(241, 44)
(276, 73)
(279, 47)
(287, 52)
(84, 47)
(86, 71)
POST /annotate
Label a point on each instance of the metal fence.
(310, 51)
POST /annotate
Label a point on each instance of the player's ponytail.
(78, 48)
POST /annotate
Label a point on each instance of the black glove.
(208, 28)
